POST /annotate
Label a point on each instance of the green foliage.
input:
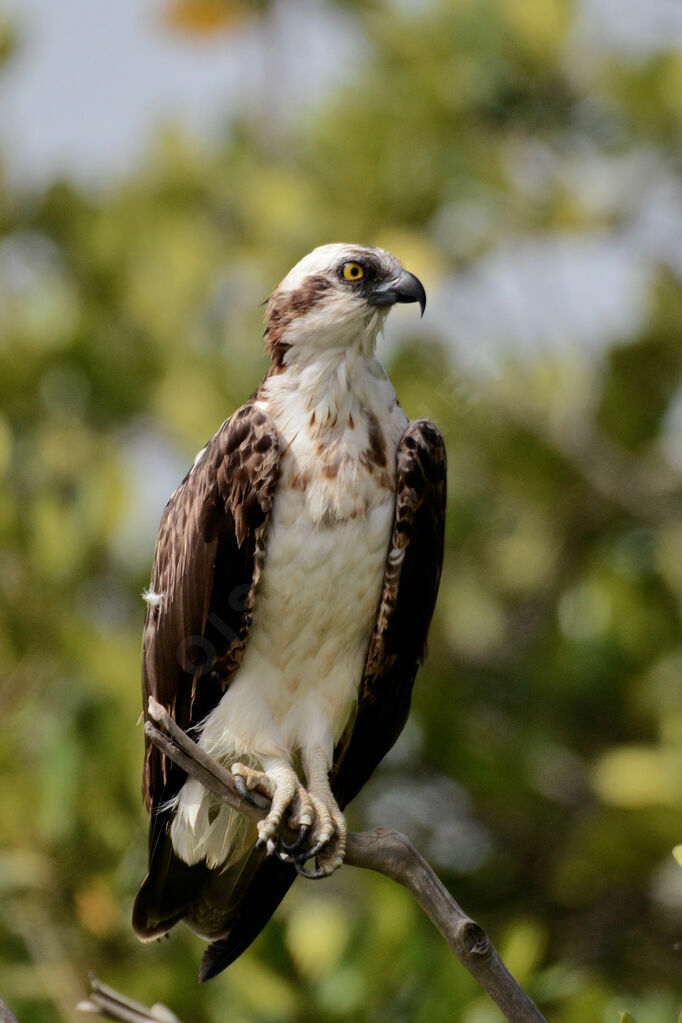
(551, 695)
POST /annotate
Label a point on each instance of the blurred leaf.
(523, 948)
(206, 17)
(317, 933)
(636, 776)
(265, 993)
(643, 378)
(540, 28)
(8, 39)
(97, 909)
(668, 554)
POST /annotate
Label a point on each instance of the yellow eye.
(352, 271)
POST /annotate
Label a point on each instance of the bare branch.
(388, 852)
(104, 1001)
(382, 850)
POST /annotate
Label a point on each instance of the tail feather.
(266, 889)
(230, 904)
(166, 893)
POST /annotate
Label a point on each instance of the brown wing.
(395, 652)
(207, 565)
(408, 598)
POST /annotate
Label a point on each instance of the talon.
(291, 847)
(312, 875)
(243, 791)
(248, 779)
(307, 854)
(315, 874)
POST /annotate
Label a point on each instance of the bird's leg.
(280, 784)
(327, 837)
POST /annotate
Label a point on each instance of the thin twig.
(383, 850)
(5, 1015)
(104, 1001)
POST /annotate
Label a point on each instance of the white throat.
(331, 371)
(339, 423)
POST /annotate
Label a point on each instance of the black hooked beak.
(405, 288)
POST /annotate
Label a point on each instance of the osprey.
(294, 580)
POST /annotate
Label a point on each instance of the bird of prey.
(294, 580)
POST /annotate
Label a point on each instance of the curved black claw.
(291, 847)
(241, 788)
(312, 875)
(307, 854)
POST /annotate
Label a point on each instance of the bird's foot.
(326, 841)
(290, 804)
(248, 780)
(318, 825)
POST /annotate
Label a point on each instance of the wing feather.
(408, 599)
(207, 567)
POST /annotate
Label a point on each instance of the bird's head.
(336, 296)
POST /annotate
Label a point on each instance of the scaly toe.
(301, 810)
(267, 829)
(250, 779)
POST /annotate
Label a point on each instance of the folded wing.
(207, 565)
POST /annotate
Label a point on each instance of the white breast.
(298, 682)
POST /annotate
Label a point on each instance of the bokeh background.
(162, 165)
